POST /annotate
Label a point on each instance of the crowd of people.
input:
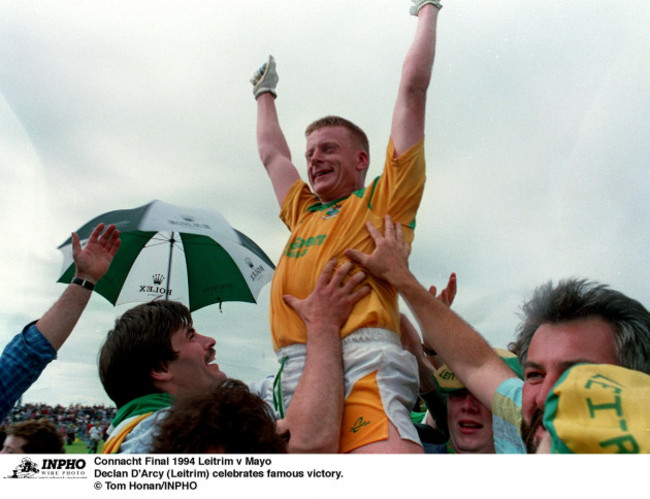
(62, 424)
(353, 370)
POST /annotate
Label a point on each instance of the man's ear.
(160, 373)
(363, 160)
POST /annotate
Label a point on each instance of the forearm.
(442, 328)
(271, 143)
(418, 63)
(426, 372)
(273, 148)
(464, 350)
(407, 126)
(59, 321)
(315, 412)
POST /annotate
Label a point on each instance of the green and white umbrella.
(171, 252)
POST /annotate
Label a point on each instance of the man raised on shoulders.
(329, 218)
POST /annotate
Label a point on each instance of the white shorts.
(381, 384)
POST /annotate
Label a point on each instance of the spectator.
(469, 422)
(226, 419)
(94, 436)
(574, 322)
(67, 419)
(38, 436)
(153, 354)
(594, 407)
(29, 352)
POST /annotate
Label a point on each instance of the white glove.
(265, 79)
(421, 3)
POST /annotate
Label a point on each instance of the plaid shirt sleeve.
(21, 363)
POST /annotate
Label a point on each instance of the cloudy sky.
(537, 144)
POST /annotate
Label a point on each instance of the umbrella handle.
(169, 265)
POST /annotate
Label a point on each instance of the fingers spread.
(326, 275)
(115, 244)
(76, 244)
(389, 228)
(399, 234)
(374, 233)
(355, 280)
(290, 300)
(359, 294)
(356, 256)
(341, 273)
(109, 233)
(453, 283)
(96, 232)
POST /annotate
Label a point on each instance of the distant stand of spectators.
(74, 421)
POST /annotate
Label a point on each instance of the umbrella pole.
(169, 266)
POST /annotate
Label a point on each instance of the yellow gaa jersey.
(320, 232)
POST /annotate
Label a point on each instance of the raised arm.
(24, 358)
(91, 263)
(408, 116)
(464, 350)
(315, 412)
(271, 143)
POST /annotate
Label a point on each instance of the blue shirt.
(21, 363)
(506, 417)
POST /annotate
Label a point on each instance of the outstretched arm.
(91, 263)
(271, 143)
(464, 350)
(408, 116)
(315, 412)
(25, 357)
